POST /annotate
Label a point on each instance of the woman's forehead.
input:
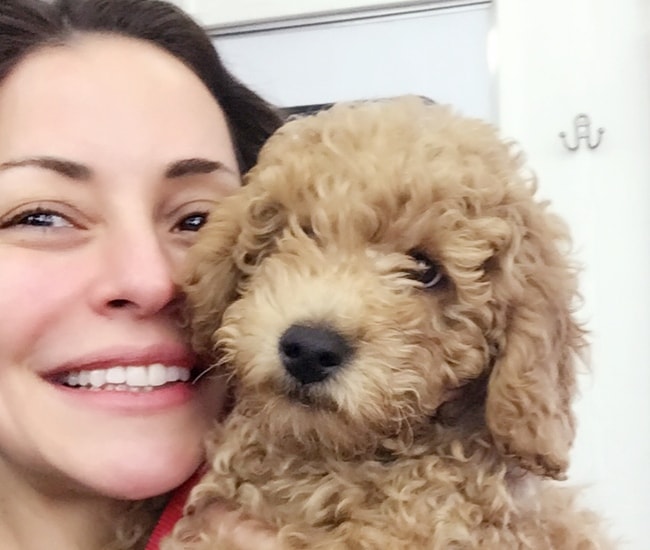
(110, 96)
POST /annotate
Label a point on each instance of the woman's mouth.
(131, 378)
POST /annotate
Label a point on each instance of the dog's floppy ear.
(212, 275)
(529, 394)
(238, 235)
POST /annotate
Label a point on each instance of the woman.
(119, 130)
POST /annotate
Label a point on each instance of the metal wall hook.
(582, 127)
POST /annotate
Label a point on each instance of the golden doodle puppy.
(394, 309)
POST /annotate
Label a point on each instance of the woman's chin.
(134, 468)
(136, 480)
(97, 445)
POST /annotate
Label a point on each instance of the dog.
(395, 310)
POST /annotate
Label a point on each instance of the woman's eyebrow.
(77, 171)
(193, 166)
(67, 168)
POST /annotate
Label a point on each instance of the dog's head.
(383, 258)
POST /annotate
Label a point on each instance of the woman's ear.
(533, 380)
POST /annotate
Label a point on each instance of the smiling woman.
(119, 131)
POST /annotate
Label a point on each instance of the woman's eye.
(428, 272)
(193, 222)
(38, 218)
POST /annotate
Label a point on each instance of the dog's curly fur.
(455, 403)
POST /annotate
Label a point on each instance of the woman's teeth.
(125, 378)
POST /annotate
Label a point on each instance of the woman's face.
(111, 152)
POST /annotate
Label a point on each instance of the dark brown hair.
(27, 25)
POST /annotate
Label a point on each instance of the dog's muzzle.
(312, 353)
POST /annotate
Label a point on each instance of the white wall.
(557, 58)
(370, 58)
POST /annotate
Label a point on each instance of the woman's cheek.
(37, 289)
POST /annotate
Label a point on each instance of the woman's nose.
(137, 274)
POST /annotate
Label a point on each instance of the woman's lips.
(127, 378)
(167, 355)
(122, 399)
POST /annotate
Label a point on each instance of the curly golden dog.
(394, 309)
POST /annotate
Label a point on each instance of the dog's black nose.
(312, 353)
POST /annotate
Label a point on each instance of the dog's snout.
(312, 353)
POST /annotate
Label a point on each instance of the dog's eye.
(428, 272)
